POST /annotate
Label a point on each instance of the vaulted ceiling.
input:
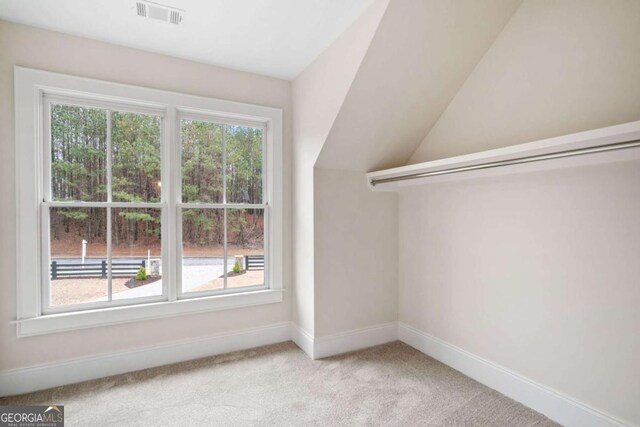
(419, 58)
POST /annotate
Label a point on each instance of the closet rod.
(516, 161)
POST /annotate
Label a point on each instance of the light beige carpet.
(278, 385)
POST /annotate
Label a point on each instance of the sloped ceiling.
(419, 57)
(319, 91)
(557, 68)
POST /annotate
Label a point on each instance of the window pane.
(136, 253)
(202, 249)
(245, 244)
(78, 153)
(75, 278)
(201, 161)
(135, 144)
(244, 164)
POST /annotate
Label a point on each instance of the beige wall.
(558, 67)
(29, 47)
(356, 253)
(536, 272)
(317, 96)
(346, 238)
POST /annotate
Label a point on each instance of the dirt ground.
(248, 278)
(79, 290)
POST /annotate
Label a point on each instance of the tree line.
(214, 157)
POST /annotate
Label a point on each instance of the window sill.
(53, 323)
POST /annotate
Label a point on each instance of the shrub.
(141, 274)
(236, 267)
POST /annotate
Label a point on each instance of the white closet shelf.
(528, 157)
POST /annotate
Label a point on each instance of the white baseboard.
(25, 380)
(355, 339)
(551, 403)
(343, 342)
(302, 339)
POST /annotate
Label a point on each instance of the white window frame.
(49, 99)
(33, 89)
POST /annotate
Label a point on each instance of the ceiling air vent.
(159, 12)
(142, 9)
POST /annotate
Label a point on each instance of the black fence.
(254, 262)
(96, 269)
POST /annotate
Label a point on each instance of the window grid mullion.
(109, 255)
(225, 248)
(222, 205)
(173, 194)
(265, 187)
(109, 159)
(132, 205)
(224, 199)
(45, 240)
(224, 164)
(47, 148)
(109, 200)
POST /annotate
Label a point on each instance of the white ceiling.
(277, 38)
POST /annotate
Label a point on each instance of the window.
(222, 213)
(102, 206)
(141, 196)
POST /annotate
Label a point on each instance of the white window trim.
(44, 150)
(30, 88)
